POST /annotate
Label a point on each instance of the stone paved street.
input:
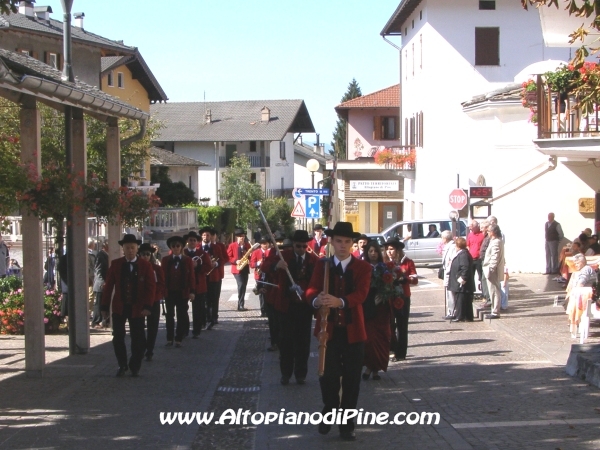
(495, 385)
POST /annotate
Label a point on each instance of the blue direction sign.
(313, 206)
(307, 191)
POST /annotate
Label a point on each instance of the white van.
(422, 238)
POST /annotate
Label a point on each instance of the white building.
(451, 53)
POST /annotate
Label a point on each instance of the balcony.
(255, 161)
(274, 193)
(563, 131)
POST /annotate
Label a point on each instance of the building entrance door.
(389, 213)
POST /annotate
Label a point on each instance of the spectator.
(257, 235)
(460, 282)
(474, 240)
(594, 245)
(49, 267)
(493, 268)
(100, 270)
(4, 258)
(433, 232)
(448, 253)
(14, 269)
(583, 276)
(553, 235)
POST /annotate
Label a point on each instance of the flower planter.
(133, 183)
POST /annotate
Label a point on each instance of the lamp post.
(312, 165)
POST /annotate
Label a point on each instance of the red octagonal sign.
(458, 199)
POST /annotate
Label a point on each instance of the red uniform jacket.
(353, 286)
(189, 277)
(320, 251)
(144, 289)
(258, 256)
(159, 291)
(232, 252)
(214, 251)
(203, 265)
(356, 254)
(282, 295)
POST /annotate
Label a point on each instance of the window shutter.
(487, 46)
(396, 127)
(377, 128)
(47, 58)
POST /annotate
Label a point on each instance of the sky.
(254, 50)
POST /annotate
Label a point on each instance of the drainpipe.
(216, 174)
(552, 162)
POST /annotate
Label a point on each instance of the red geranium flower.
(387, 278)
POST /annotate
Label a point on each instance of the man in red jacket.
(236, 251)
(202, 265)
(215, 275)
(180, 285)
(349, 282)
(256, 261)
(293, 313)
(319, 242)
(133, 283)
(145, 251)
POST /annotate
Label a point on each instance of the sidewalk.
(498, 384)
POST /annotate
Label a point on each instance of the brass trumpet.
(309, 249)
(212, 261)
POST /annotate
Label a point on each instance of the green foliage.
(175, 194)
(239, 192)
(278, 212)
(9, 6)
(339, 135)
(562, 80)
(12, 311)
(209, 215)
(9, 284)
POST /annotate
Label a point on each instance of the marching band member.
(202, 264)
(146, 252)
(215, 276)
(236, 251)
(256, 260)
(293, 313)
(319, 242)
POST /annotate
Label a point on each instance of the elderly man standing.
(554, 234)
(132, 280)
(493, 268)
(474, 241)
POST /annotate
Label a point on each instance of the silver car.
(422, 238)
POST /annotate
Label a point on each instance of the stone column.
(31, 153)
(113, 167)
(80, 235)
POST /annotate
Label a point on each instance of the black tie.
(300, 261)
(177, 259)
(131, 266)
(340, 269)
(206, 248)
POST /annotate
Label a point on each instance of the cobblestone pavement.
(498, 384)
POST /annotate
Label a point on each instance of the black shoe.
(285, 381)
(272, 348)
(448, 317)
(134, 373)
(457, 320)
(242, 309)
(492, 316)
(366, 376)
(215, 322)
(121, 371)
(177, 344)
(324, 428)
(376, 377)
(300, 381)
(195, 336)
(148, 357)
(169, 344)
(348, 435)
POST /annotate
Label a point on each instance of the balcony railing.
(274, 193)
(255, 161)
(560, 117)
(172, 219)
(405, 158)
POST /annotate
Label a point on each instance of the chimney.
(208, 117)
(299, 139)
(78, 19)
(42, 12)
(26, 7)
(265, 114)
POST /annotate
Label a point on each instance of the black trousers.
(242, 281)
(344, 360)
(477, 268)
(294, 340)
(399, 343)
(261, 299)
(464, 305)
(152, 328)
(273, 324)
(97, 317)
(173, 302)
(212, 301)
(138, 339)
(198, 313)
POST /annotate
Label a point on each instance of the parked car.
(422, 238)
(376, 237)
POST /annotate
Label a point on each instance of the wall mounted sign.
(587, 205)
(375, 185)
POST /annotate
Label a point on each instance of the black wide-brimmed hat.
(206, 229)
(145, 247)
(192, 234)
(343, 229)
(363, 237)
(263, 240)
(318, 227)
(239, 232)
(287, 243)
(175, 239)
(300, 236)
(130, 239)
(398, 245)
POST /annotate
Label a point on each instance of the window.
(282, 150)
(413, 24)
(120, 80)
(405, 31)
(53, 60)
(190, 181)
(262, 146)
(487, 46)
(110, 80)
(421, 15)
(253, 146)
(386, 128)
(488, 5)
(253, 177)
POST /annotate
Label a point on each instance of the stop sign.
(458, 199)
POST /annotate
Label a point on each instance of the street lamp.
(312, 165)
(453, 216)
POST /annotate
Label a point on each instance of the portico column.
(31, 153)
(113, 169)
(80, 235)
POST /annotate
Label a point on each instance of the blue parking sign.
(313, 206)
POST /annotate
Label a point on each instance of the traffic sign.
(457, 199)
(299, 192)
(313, 206)
(298, 211)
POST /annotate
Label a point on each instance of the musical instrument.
(212, 261)
(323, 313)
(309, 249)
(294, 286)
(246, 258)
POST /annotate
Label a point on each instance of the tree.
(278, 213)
(239, 192)
(339, 135)
(9, 6)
